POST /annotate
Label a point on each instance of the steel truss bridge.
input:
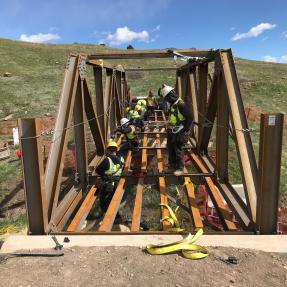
(216, 102)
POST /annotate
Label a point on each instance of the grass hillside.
(38, 71)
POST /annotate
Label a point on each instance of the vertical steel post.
(33, 174)
(80, 134)
(222, 132)
(100, 106)
(202, 95)
(270, 149)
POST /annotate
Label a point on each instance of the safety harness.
(175, 117)
(114, 169)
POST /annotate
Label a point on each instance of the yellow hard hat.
(127, 109)
(112, 144)
(137, 107)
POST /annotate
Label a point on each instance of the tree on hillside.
(130, 47)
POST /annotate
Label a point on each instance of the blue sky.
(254, 29)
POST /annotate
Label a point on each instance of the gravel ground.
(123, 266)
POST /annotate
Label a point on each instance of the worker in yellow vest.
(151, 104)
(180, 122)
(143, 112)
(135, 117)
(109, 170)
(129, 131)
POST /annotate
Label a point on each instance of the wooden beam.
(222, 209)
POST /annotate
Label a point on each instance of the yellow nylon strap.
(172, 220)
(185, 245)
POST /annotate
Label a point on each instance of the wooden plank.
(222, 209)
(138, 200)
(196, 218)
(83, 211)
(162, 185)
(112, 211)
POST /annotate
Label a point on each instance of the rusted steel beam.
(108, 101)
(210, 116)
(100, 103)
(222, 128)
(33, 175)
(243, 142)
(194, 98)
(151, 54)
(221, 208)
(105, 65)
(138, 200)
(112, 211)
(178, 84)
(80, 217)
(202, 95)
(93, 120)
(54, 166)
(151, 69)
(195, 214)
(270, 149)
(80, 134)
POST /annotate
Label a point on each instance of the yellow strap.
(185, 245)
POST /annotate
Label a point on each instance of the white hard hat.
(165, 90)
(124, 121)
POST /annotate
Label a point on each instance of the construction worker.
(139, 120)
(151, 103)
(109, 170)
(135, 118)
(180, 121)
(129, 131)
(143, 104)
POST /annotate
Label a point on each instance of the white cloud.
(157, 28)
(232, 28)
(254, 31)
(125, 35)
(284, 34)
(39, 38)
(272, 59)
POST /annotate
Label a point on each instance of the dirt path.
(122, 266)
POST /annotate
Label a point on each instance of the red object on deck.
(18, 153)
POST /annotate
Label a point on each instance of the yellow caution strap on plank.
(185, 245)
(172, 219)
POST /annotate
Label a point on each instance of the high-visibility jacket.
(114, 169)
(133, 114)
(175, 117)
(150, 101)
(132, 134)
(141, 102)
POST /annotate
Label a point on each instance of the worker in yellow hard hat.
(109, 170)
(143, 111)
(151, 104)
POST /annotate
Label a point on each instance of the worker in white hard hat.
(109, 170)
(129, 131)
(180, 121)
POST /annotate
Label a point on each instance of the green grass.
(13, 224)
(38, 71)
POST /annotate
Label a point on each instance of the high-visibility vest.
(132, 134)
(150, 101)
(133, 114)
(175, 117)
(141, 102)
(114, 169)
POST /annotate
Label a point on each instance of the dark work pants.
(175, 143)
(150, 110)
(106, 191)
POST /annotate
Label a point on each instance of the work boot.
(178, 172)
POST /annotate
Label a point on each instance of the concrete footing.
(267, 243)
